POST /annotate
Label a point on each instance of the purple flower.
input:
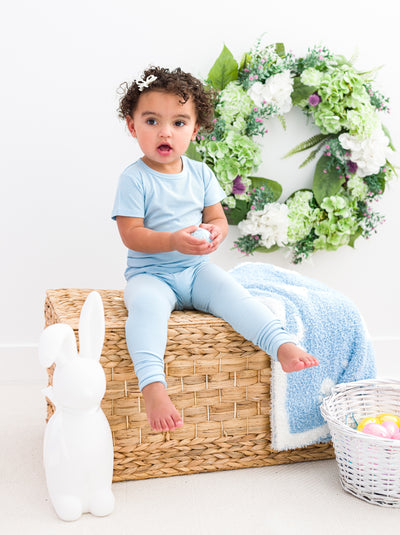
(238, 186)
(352, 167)
(314, 99)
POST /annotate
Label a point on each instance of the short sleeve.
(213, 193)
(129, 198)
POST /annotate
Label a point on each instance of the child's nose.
(165, 131)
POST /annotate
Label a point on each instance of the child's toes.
(177, 421)
(169, 424)
(311, 361)
(164, 426)
(299, 365)
(156, 425)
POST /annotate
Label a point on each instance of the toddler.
(161, 200)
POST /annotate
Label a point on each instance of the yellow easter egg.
(365, 421)
(388, 417)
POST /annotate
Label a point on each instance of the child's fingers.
(211, 228)
(190, 229)
(214, 245)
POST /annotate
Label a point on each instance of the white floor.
(302, 498)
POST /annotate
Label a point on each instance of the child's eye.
(179, 123)
(151, 122)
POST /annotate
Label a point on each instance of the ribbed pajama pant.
(150, 299)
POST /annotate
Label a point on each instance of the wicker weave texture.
(369, 466)
(219, 382)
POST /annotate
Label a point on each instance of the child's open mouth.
(164, 149)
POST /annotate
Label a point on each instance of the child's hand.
(215, 234)
(182, 241)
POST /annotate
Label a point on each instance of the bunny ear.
(91, 327)
(57, 344)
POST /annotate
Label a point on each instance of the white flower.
(368, 153)
(250, 225)
(271, 223)
(276, 90)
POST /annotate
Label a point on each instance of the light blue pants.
(150, 299)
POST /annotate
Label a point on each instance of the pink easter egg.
(391, 427)
(396, 436)
(375, 429)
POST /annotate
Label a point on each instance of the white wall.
(63, 146)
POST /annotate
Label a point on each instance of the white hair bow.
(142, 84)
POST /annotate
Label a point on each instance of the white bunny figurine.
(78, 449)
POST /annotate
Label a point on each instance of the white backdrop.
(63, 146)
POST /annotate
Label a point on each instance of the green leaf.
(392, 167)
(307, 144)
(342, 60)
(379, 183)
(237, 214)
(272, 185)
(386, 132)
(354, 236)
(370, 75)
(312, 155)
(192, 152)
(224, 70)
(282, 121)
(245, 62)
(327, 183)
(280, 50)
(265, 250)
(301, 91)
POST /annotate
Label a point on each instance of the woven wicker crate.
(219, 381)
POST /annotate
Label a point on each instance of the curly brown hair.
(176, 82)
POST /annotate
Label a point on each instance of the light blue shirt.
(167, 203)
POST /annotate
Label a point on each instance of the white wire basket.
(369, 466)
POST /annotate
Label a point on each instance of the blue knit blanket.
(327, 325)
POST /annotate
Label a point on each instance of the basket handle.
(338, 389)
(367, 382)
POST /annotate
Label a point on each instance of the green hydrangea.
(311, 77)
(226, 170)
(345, 103)
(339, 82)
(358, 96)
(234, 106)
(302, 216)
(358, 188)
(339, 225)
(362, 121)
(232, 156)
(230, 201)
(328, 120)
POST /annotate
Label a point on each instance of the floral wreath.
(351, 172)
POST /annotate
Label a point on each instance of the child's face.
(164, 128)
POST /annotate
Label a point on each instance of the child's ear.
(131, 126)
(195, 131)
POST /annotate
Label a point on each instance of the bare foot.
(294, 359)
(161, 412)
